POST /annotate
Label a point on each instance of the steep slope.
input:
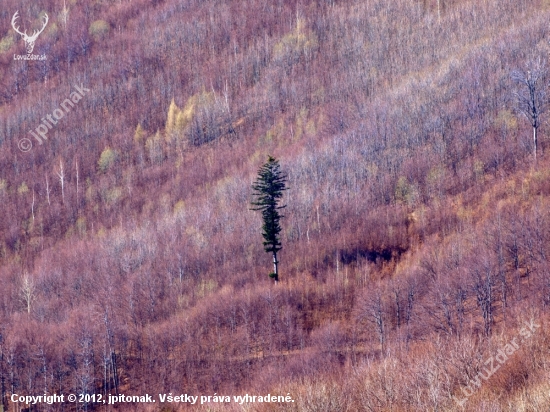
(416, 232)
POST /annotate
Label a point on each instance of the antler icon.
(29, 40)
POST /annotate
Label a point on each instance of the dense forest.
(414, 270)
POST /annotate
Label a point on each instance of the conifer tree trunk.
(275, 267)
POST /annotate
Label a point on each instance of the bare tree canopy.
(531, 98)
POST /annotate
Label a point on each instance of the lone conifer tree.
(268, 191)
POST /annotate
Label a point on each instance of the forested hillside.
(416, 234)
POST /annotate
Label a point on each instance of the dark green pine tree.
(268, 192)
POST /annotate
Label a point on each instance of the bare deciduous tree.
(531, 99)
(483, 286)
(61, 174)
(48, 190)
(373, 310)
(27, 291)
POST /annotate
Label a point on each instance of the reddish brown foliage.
(416, 231)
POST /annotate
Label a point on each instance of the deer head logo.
(29, 40)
